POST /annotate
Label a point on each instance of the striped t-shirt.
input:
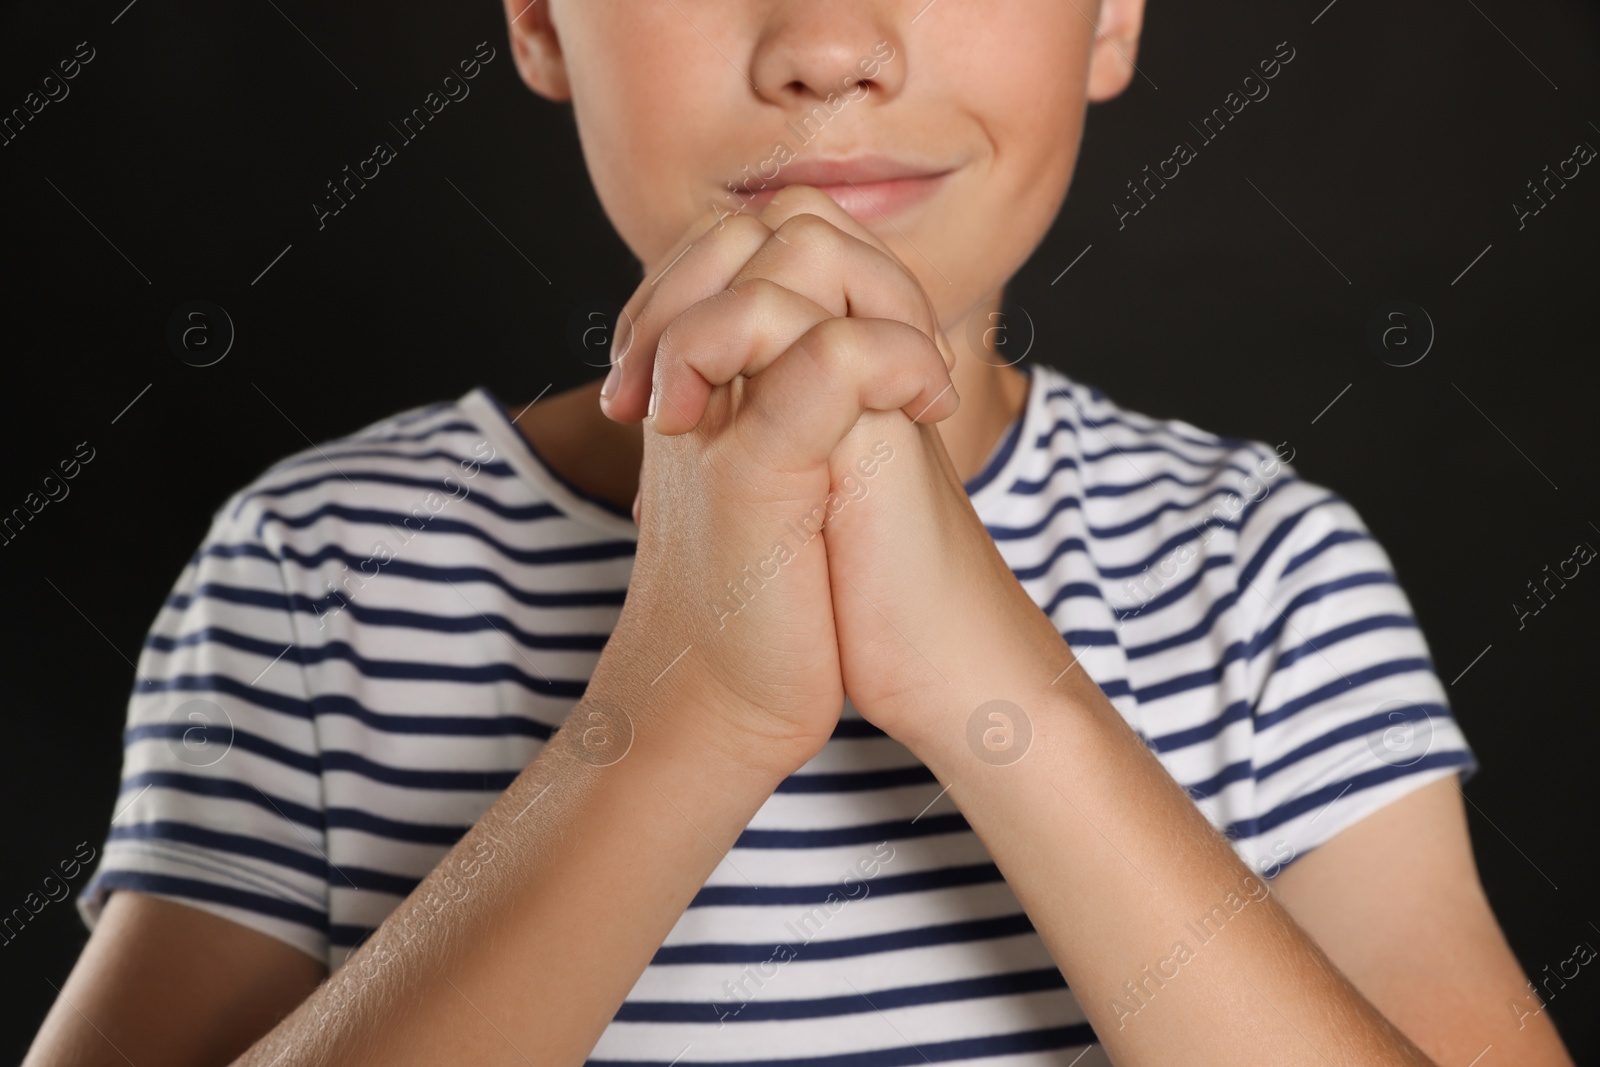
(379, 633)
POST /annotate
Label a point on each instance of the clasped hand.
(804, 534)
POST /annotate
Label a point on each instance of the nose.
(810, 49)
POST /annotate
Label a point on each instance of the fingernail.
(612, 380)
(650, 413)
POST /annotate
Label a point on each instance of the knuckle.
(809, 232)
(757, 293)
(834, 344)
(741, 227)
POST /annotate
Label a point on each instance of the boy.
(1106, 676)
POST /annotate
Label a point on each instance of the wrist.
(692, 724)
(987, 729)
(992, 677)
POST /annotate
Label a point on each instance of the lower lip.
(867, 201)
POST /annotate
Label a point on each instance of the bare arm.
(1175, 949)
(1395, 902)
(161, 982)
(523, 942)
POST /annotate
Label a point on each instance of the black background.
(1384, 162)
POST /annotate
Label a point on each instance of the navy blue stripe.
(761, 1010)
(1022, 533)
(438, 524)
(337, 704)
(1015, 1044)
(426, 573)
(1279, 534)
(226, 789)
(1313, 645)
(217, 841)
(1043, 440)
(1177, 592)
(1157, 426)
(1267, 719)
(846, 947)
(724, 896)
(1117, 489)
(857, 781)
(1008, 446)
(193, 889)
(457, 426)
(1032, 487)
(855, 729)
(394, 829)
(1337, 537)
(515, 513)
(347, 935)
(1281, 814)
(1372, 724)
(1220, 444)
(1237, 650)
(486, 781)
(1238, 711)
(1314, 593)
(411, 620)
(931, 826)
(1238, 771)
(408, 670)
(222, 736)
(1128, 570)
(1068, 591)
(355, 450)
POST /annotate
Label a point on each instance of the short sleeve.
(220, 803)
(1347, 710)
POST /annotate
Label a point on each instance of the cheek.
(646, 102)
(1034, 98)
(1022, 80)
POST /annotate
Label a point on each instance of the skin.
(1377, 947)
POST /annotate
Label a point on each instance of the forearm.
(524, 940)
(1117, 869)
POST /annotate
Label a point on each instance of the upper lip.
(852, 170)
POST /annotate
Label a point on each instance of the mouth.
(867, 187)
